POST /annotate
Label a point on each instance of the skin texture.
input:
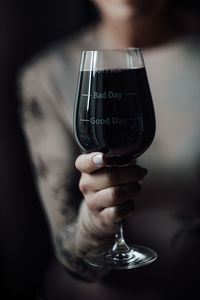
(109, 193)
(138, 23)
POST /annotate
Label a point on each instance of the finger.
(108, 177)
(88, 163)
(116, 214)
(133, 162)
(113, 196)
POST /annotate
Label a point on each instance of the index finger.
(88, 163)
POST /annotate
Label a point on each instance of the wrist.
(87, 235)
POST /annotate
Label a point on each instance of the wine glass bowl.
(114, 114)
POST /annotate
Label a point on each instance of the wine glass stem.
(120, 244)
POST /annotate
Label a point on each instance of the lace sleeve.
(53, 153)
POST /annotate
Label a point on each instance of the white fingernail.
(98, 159)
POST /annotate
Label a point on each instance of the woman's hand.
(109, 194)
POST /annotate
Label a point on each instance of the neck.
(114, 34)
(135, 33)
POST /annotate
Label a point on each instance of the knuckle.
(90, 204)
(136, 188)
(140, 172)
(133, 172)
(118, 213)
(77, 164)
(114, 214)
(83, 185)
(110, 174)
(124, 210)
(102, 223)
(113, 194)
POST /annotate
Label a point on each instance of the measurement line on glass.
(132, 119)
(126, 94)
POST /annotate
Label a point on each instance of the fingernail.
(98, 159)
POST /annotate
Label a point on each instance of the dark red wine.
(114, 113)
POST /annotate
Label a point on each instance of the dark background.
(25, 28)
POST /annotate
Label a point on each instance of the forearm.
(53, 154)
(71, 245)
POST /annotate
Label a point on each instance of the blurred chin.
(123, 9)
(126, 9)
(122, 12)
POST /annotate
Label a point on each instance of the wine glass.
(114, 114)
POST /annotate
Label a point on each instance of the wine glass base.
(136, 257)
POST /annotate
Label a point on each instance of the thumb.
(88, 163)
